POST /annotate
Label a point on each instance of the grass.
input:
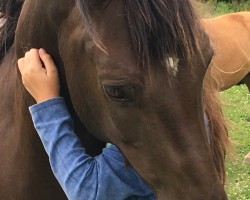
(222, 7)
(237, 109)
(211, 8)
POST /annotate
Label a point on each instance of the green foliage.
(223, 6)
(237, 109)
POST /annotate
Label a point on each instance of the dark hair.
(9, 14)
(158, 28)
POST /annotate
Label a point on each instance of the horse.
(132, 74)
(230, 37)
(230, 65)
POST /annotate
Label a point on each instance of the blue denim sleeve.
(81, 176)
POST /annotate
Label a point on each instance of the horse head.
(133, 71)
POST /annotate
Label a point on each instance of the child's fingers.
(30, 60)
(20, 63)
(34, 58)
(48, 62)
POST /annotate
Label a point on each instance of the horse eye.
(120, 93)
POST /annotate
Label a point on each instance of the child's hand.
(39, 75)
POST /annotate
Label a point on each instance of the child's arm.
(81, 176)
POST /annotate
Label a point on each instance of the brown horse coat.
(230, 37)
(132, 73)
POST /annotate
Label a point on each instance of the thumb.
(48, 62)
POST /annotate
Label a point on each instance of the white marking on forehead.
(172, 65)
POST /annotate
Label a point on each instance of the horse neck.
(29, 142)
(24, 163)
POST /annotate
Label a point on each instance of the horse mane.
(217, 124)
(9, 14)
(158, 29)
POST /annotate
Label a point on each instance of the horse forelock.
(9, 14)
(159, 29)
